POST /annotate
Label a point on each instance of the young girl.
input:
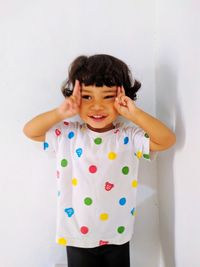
(97, 160)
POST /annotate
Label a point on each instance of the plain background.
(159, 40)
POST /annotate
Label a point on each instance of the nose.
(97, 105)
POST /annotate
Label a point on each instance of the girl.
(97, 160)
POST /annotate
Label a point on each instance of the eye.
(109, 96)
(86, 96)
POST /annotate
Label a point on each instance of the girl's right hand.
(71, 105)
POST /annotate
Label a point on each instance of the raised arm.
(36, 128)
(161, 137)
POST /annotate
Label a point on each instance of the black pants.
(102, 256)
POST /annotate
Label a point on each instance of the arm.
(36, 128)
(161, 137)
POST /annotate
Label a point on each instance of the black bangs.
(100, 70)
(100, 80)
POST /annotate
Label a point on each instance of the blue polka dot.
(46, 145)
(126, 140)
(132, 211)
(58, 193)
(69, 212)
(79, 151)
(122, 201)
(71, 135)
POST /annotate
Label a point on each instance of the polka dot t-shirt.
(96, 182)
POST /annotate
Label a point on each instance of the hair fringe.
(99, 70)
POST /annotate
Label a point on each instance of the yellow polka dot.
(112, 155)
(134, 183)
(135, 213)
(62, 241)
(74, 181)
(139, 154)
(104, 216)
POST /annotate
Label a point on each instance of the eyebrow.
(105, 91)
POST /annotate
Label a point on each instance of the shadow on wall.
(168, 110)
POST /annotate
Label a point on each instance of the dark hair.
(100, 70)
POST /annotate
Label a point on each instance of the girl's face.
(97, 107)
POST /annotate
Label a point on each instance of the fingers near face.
(123, 91)
(121, 96)
(77, 91)
(120, 90)
(77, 87)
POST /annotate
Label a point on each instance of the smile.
(98, 117)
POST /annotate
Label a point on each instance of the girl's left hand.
(124, 104)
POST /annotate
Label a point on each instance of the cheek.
(83, 107)
(83, 110)
(114, 111)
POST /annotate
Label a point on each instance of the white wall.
(178, 94)
(38, 41)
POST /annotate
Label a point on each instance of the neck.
(101, 130)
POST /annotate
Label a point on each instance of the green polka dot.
(88, 201)
(120, 229)
(64, 162)
(146, 135)
(146, 156)
(98, 140)
(125, 170)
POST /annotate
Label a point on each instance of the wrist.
(135, 116)
(58, 114)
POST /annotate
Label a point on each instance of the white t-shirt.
(96, 181)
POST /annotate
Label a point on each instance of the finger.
(73, 102)
(120, 96)
(117, 94)
(77, 91)
(123, 91)
(124, 102)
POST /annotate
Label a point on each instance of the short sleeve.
(141, 143)
(55, 135)
(52, 138)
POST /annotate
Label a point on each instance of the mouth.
(98, 118)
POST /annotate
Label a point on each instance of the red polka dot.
(92, 169)
(102, 243)
(58, 132)
(66, 123)
(84, 230)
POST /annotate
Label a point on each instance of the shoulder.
(125, 127)
(64, 127)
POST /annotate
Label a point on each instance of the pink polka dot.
(84, 230)
(92, 169)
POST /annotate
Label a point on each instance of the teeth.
(97, 116)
